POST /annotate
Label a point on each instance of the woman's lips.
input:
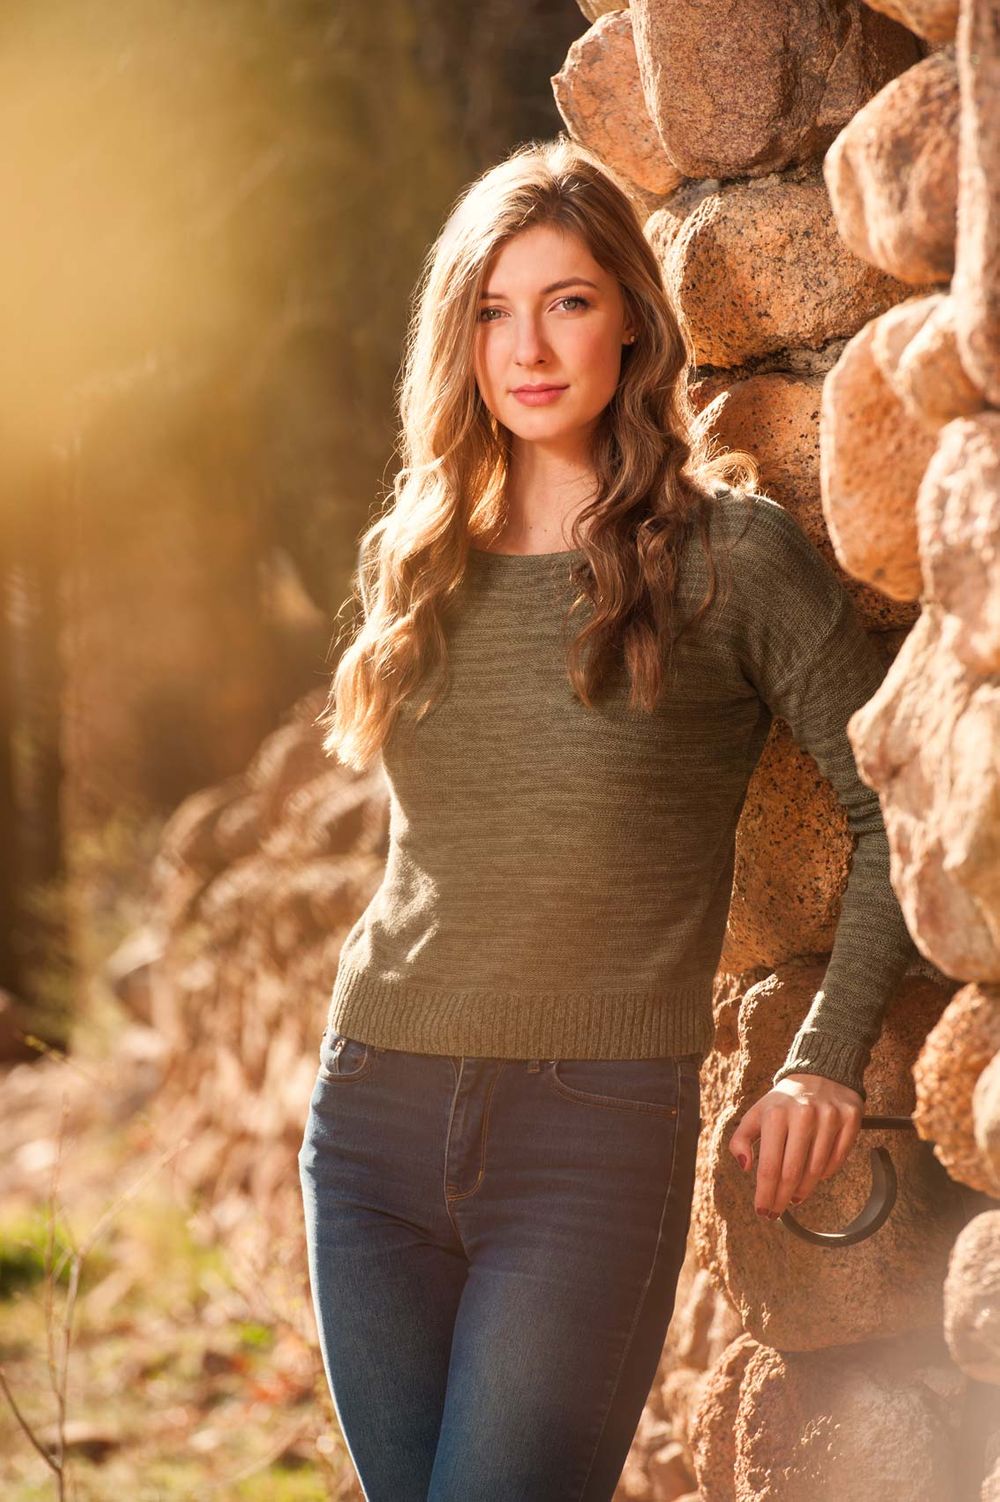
(540, 396)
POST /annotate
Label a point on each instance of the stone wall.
(822, 186)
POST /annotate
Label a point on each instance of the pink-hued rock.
(927, 742)
(963, 1041)
(990, 1490)
(851, 1425)
(892, 174)
(704, 1322)
(935, 20)
(775, 415)
(593, 9)
(958, 531)
(714, 1420)
(667, 1473)
(872, 1423)
(743, 91)
(793, 852)
(758, 267)
(872, 457)
(976, 283)
(915, 348)
(986, 1122)
(663, 223)
(599, 96)
(972, 1299)
(787, 1292)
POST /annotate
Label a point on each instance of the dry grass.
(147, 1353)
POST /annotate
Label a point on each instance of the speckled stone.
(986, 1121)
(870, 507)
(958, 530)
(713, 1437)
(776, 416)
(927, 742)
(869, 1423)
(990, 1491)
(976, 283)
(599, 96)
(957, 1050)
(972, 1299)
(759, 266)
(790, 76)
(594, 8)
(793, 849)
(892, 173)
(915, 348)
(935, 20)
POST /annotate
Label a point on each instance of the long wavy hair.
(652, 457)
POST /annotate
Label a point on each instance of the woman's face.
(549, 316)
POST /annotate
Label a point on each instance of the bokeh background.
(216, 214)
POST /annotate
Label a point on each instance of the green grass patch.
(24, 1248)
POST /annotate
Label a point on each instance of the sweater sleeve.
(804, 648)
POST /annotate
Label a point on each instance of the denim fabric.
(493, 1249)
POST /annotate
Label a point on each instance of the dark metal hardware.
(880, 1201)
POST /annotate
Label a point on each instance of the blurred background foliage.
(216, 214)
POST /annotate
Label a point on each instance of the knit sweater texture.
(558, 878)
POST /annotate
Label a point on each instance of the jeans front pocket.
(650, 1085)
(342, 1058)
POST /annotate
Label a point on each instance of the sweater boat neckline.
(488, 554)
(524, 560)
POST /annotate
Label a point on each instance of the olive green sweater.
(558, 878)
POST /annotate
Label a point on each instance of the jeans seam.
(482, 1150)
(642, 1296)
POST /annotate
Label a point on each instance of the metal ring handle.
(880, 1200)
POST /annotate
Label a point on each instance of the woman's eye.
(573, 297)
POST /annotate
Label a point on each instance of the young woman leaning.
(577, 625)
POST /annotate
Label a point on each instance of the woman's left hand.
(807, 1125)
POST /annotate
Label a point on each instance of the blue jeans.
(493, 1249)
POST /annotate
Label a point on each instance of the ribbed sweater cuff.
(836, 1058)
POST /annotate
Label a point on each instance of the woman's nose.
(528, 344)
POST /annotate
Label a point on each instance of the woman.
(575, 636)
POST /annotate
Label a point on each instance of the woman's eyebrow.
(569, 281)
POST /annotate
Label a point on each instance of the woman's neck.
(539, 518)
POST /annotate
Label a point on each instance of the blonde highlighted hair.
(652, 460)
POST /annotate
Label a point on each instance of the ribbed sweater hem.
(522, 1024)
